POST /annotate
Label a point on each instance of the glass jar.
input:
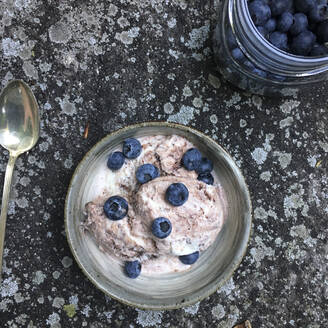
(246, 59)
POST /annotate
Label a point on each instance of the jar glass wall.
(246, 59)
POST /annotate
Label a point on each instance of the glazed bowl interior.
(166, 291)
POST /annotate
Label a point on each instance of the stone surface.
(108, 64)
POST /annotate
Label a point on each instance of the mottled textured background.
(112, 63)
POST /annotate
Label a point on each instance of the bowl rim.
(236, 260)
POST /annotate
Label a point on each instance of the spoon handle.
(4, 205)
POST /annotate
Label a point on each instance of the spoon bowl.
(19, 132)
(19, 119)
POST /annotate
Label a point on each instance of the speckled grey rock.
(111, 63)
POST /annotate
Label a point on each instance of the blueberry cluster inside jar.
(177, 194)
(299, 27)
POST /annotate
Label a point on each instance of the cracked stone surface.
(109, 64)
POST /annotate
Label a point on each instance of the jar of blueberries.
(272, 47)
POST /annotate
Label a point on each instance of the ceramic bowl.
(167, 291)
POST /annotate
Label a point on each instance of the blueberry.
(177, 194)
(133, 269)
(259, 12)
(270, 25)
(232, 42)
(302, 43)
(116, 208)
(190, 258)
(146, 172)
(248, 64)
(279, 40)
(322, 31)
(206, 165)
(161, 227)
(318, 50)
(238, 55)
(319, 13)
(262, 31)
(259, 72)
(191, 159)
(304, 6)
(115, 160)
(131, 148)
(285, 22)
(300, 24)
(279, 6)
(206, 177)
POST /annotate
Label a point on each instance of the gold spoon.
(19, 132)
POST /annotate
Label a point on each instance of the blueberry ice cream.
(156, 213)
